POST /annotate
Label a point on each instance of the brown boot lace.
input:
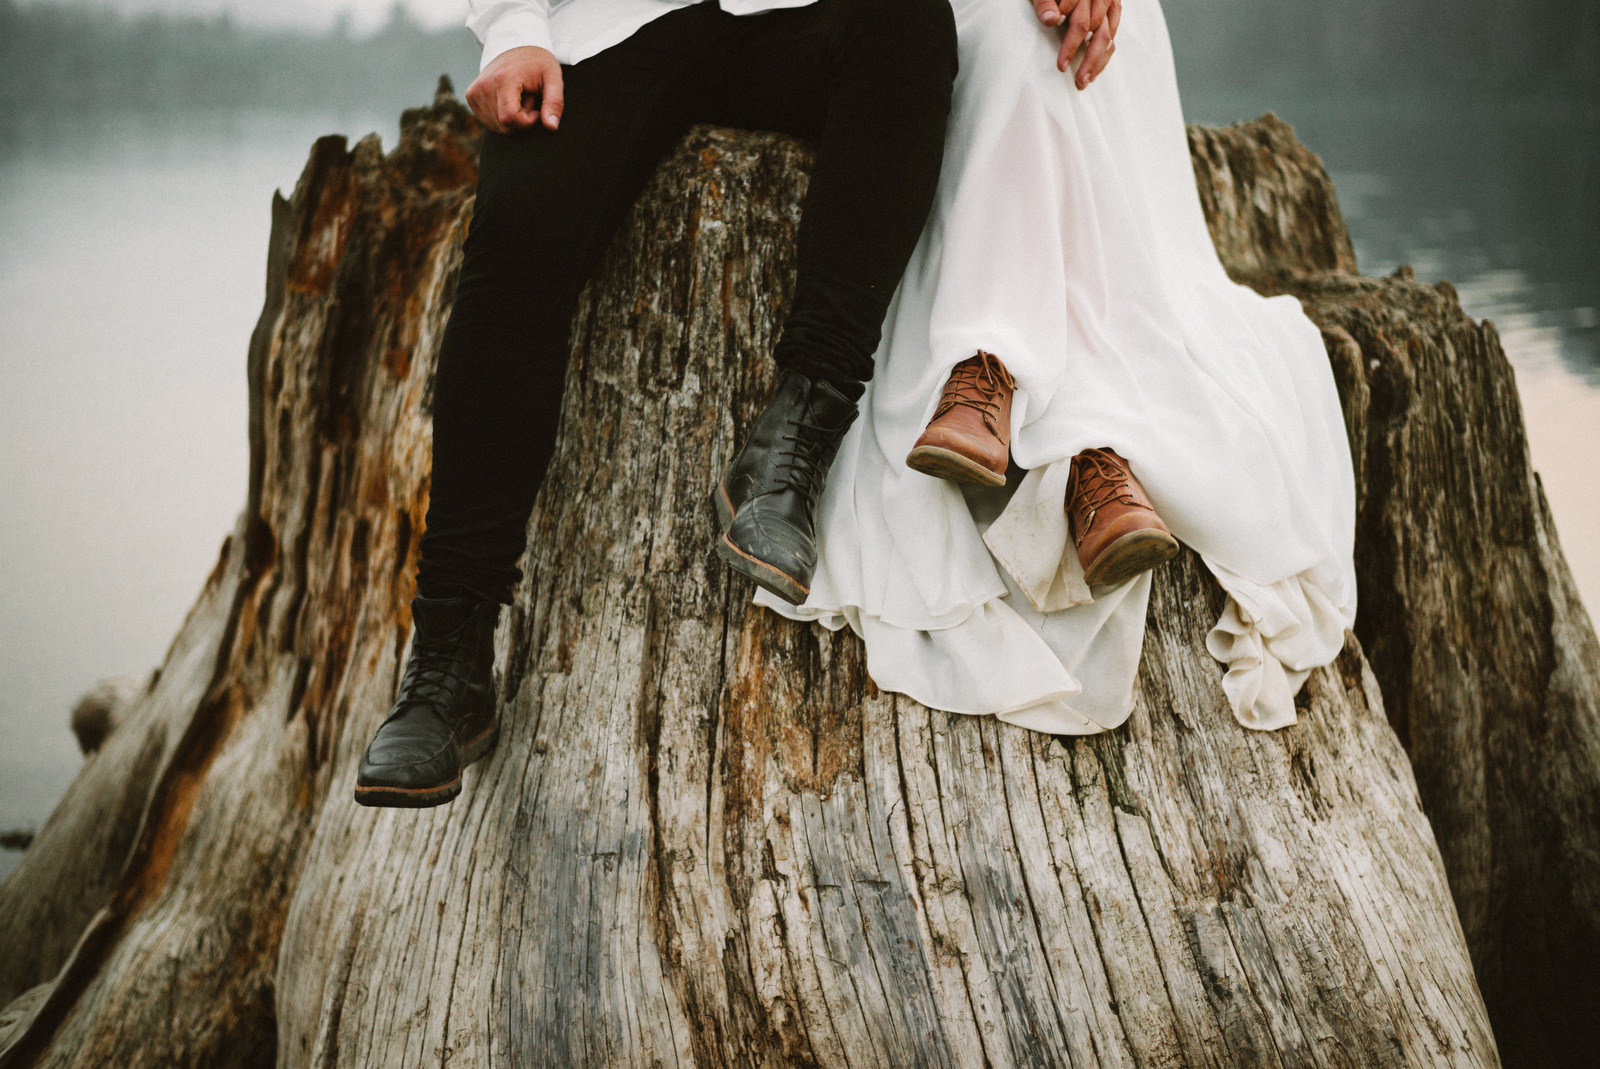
(977, 382)
(1099, 478)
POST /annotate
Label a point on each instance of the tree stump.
(705, 838)
(1488, 662)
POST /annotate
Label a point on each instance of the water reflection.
(131, 273)
(1497, 197)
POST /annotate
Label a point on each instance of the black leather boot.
(445, 715)
(767, 499)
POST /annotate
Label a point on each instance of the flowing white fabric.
(1067, 238)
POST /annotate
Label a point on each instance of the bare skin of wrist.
(520, 88)
(1080, 21)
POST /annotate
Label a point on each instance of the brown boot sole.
(948, 464)
(424, 797)
(1134, 552)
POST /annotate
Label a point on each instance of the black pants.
(870, 80)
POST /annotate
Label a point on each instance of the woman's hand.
(497, 96)
(1094, 21)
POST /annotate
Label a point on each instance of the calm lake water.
(132, 252)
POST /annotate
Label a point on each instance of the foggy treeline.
(72, 57)
(69, 56)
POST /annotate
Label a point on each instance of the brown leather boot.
(969, 437)
(1114, 526)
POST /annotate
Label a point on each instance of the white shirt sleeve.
(501, 25)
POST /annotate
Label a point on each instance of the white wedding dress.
(1067, 238)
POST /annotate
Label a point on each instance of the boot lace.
(804, 467)
(434, 673)
(977, 383)
(1099, 478)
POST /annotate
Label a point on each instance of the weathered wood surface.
(1271, 209)
(1488, 663)
(1487, 660)
(705, 838)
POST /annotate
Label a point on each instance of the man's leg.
(547, 206)
(871, 81)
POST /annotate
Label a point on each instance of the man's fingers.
(551, 98)
(480, 102)
(508, 111)
(520, 88)
(1049, 12)
(473, 103)
(1097, 14)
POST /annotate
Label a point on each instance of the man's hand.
(1078, 19)
(520, 88)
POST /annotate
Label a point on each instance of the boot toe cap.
(408, 756)
(771, 551)
(1132, 542)
(954, 453)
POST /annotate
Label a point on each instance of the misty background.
(141, 141)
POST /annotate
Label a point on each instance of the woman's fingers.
(1105, 17)
(1049, 12)
(1095, 56)
(1077, 30)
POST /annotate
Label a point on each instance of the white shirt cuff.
(515, 29)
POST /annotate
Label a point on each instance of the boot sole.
(947, 464)
(763, 574)
(379, 796)
(723, 504)
(1134, 552)
(408, 797)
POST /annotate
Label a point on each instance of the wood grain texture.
(1488, 663)
(705, 838)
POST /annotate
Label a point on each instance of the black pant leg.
(547, 206)
(871, 80)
